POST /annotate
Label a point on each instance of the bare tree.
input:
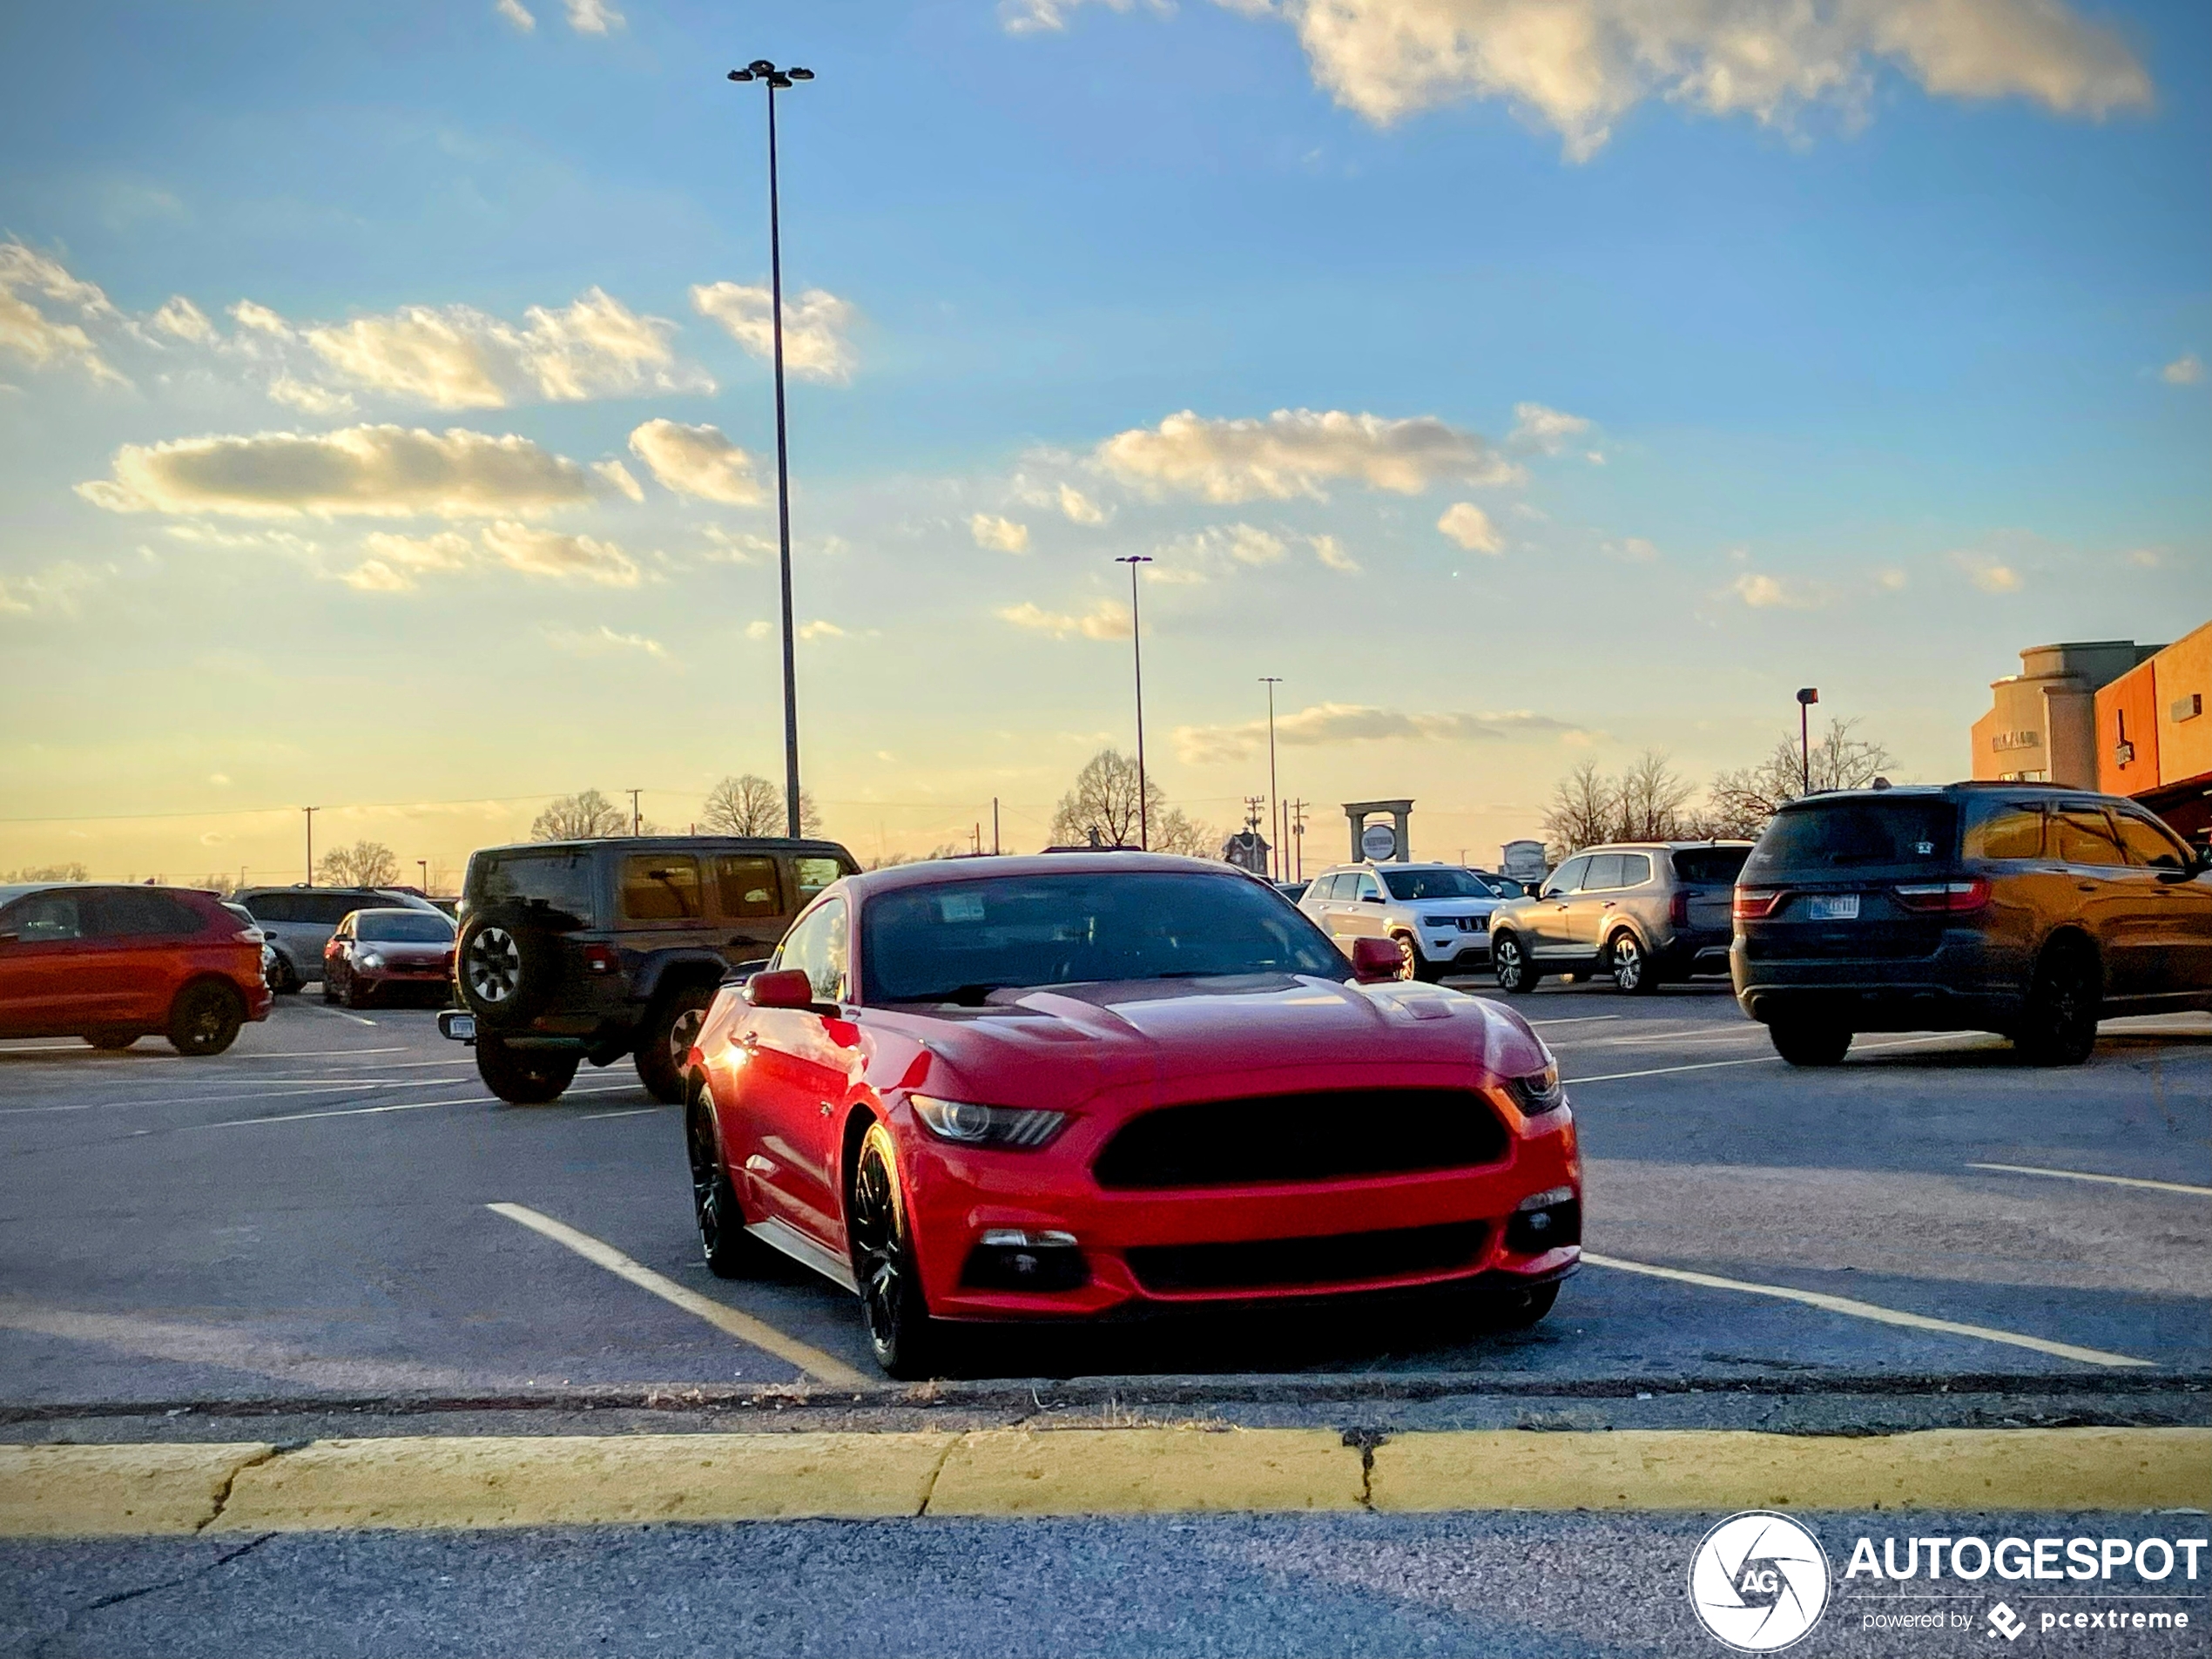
(942, 850)
(1173, 831)
(750, 804)
(221, 883)
(1103, 802)
(47, 873)
(365, 864)
(589, 816)
(1583, 810)
(1739, 803)
(1649, 799)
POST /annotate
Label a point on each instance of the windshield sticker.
(961, 907)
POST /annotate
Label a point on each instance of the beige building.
(2042, 726)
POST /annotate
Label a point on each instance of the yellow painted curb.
(575, 1481)
(1948, 1468)
(86, 1491)
(1146, 1471)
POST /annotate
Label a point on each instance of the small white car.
(1438, 913)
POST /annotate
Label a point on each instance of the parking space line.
(2107, 1180)
(1858, 1310)
(1760, 1059)
(342, 1015)
(627, 1111)
(396, 1106)
(727, 1319)
(323, 1054)
(1580, 1019)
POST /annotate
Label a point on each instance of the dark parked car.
(571, 951)
(113, 964)
(2020, 908)
(299, 921)
(1640, 911)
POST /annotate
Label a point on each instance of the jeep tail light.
(1951, 898)
(1678, 909)
(601, 959)
(1755, 904)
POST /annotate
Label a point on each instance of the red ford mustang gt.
(1045, 1088)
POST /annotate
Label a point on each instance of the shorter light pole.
(1806, 697)
(423, 864)
(1137, 645)
(1274, 808)
(637, 817)
(311, 812)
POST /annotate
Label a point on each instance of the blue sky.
(1867, 378)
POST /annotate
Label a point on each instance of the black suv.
(2025, 909)
(571, 951)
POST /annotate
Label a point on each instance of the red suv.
(114, 964)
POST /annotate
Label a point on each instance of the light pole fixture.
(1806, 697)
(781, 80)
(1274, 806)
(1137, 644)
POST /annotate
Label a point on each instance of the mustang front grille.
(1266, 1139)
(1338, 1258)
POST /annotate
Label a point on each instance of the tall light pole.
(1274, 809)
(1137, 643)
(780, 80)
(1806, 699)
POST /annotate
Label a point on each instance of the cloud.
(1327, 723)
(1577, 66)
(32, 288)
(310, 399)
(735, 547)
(376, 471)
(446, 550)
(2184, 370)
(1763, 592)
(593, 17)
(1219, 547)
(456, 357)
(567, 558)
(1295, 452)
(260, 319)
(52, 590)
(1535, 427)
(374, 575)
(603, 641)
(186, 321)
(1050, 16)
(518, 14)
(1331, 552)
(619, 477)
(999, 535)
(1079, 508)
(815, 346)
(1891, 581)
(1105, 620)
(759, 629)
(1636, 551)
(1469, 525)
(1989, 575)
(819, 628)
(698, 462)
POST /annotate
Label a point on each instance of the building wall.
(2184, 669)
(2127, 709)
(2043, 721)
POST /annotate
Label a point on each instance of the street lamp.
(1137, 644)
(780, 80)
(1274, 810)
(1806, 699)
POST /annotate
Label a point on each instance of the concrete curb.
(463, 1483)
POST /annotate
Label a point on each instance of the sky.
(385, 426)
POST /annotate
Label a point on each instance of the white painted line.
(1580, 1019)
(628, 1112)
(323, 1054)
(2107, 1180)
(1869, 1311)
(1762, 1059)
(723, 1317)
(397, 1106)
(324, 1008)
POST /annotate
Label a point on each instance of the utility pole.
(1806, 699)
(1274, 810)
(311, 812)
(637, 818)
(781, 80)
(1296, 810)
(423, 864)
(1137, 644)
(995, 827)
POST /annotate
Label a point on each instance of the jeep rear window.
(1711, 865)
(1854, 835)
(560, 881)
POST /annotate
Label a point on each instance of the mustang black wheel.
(664, 1042)
(205, 1018)
(904, 1338)
(2061, 1026)
(1509, 961)
(522, 1077)
(1631, 967)
(731, 1251)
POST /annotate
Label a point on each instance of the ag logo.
(1759, 1582)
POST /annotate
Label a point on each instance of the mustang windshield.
(957, 941)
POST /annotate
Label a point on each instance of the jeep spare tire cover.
(508, 961)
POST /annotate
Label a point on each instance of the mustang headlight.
(1539, 1092)
(969, 1124)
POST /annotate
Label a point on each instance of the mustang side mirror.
(787, 988)
(1376, 959)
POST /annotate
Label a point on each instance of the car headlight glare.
(372, 962)
(1539, 1092)
(966, 1123)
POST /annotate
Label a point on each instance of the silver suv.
(1438, 913)
(298, 922)
(1641, 912)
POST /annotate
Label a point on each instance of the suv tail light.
(1755, 904)
(1952, 898)
(601, 959)
(1678, 909)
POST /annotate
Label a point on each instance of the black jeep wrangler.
(571, 951)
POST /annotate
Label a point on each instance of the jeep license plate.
(461, 1028)
(1835, 906)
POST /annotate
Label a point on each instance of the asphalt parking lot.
(310, 1214)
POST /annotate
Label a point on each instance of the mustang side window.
(820, 947)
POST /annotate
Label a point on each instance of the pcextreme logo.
(1759, 1581)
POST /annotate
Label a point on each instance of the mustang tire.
(1509, 961)
(204, 1019)
(729, 1250)
(523, 1077)
(905, 1339)
(664, 1041)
